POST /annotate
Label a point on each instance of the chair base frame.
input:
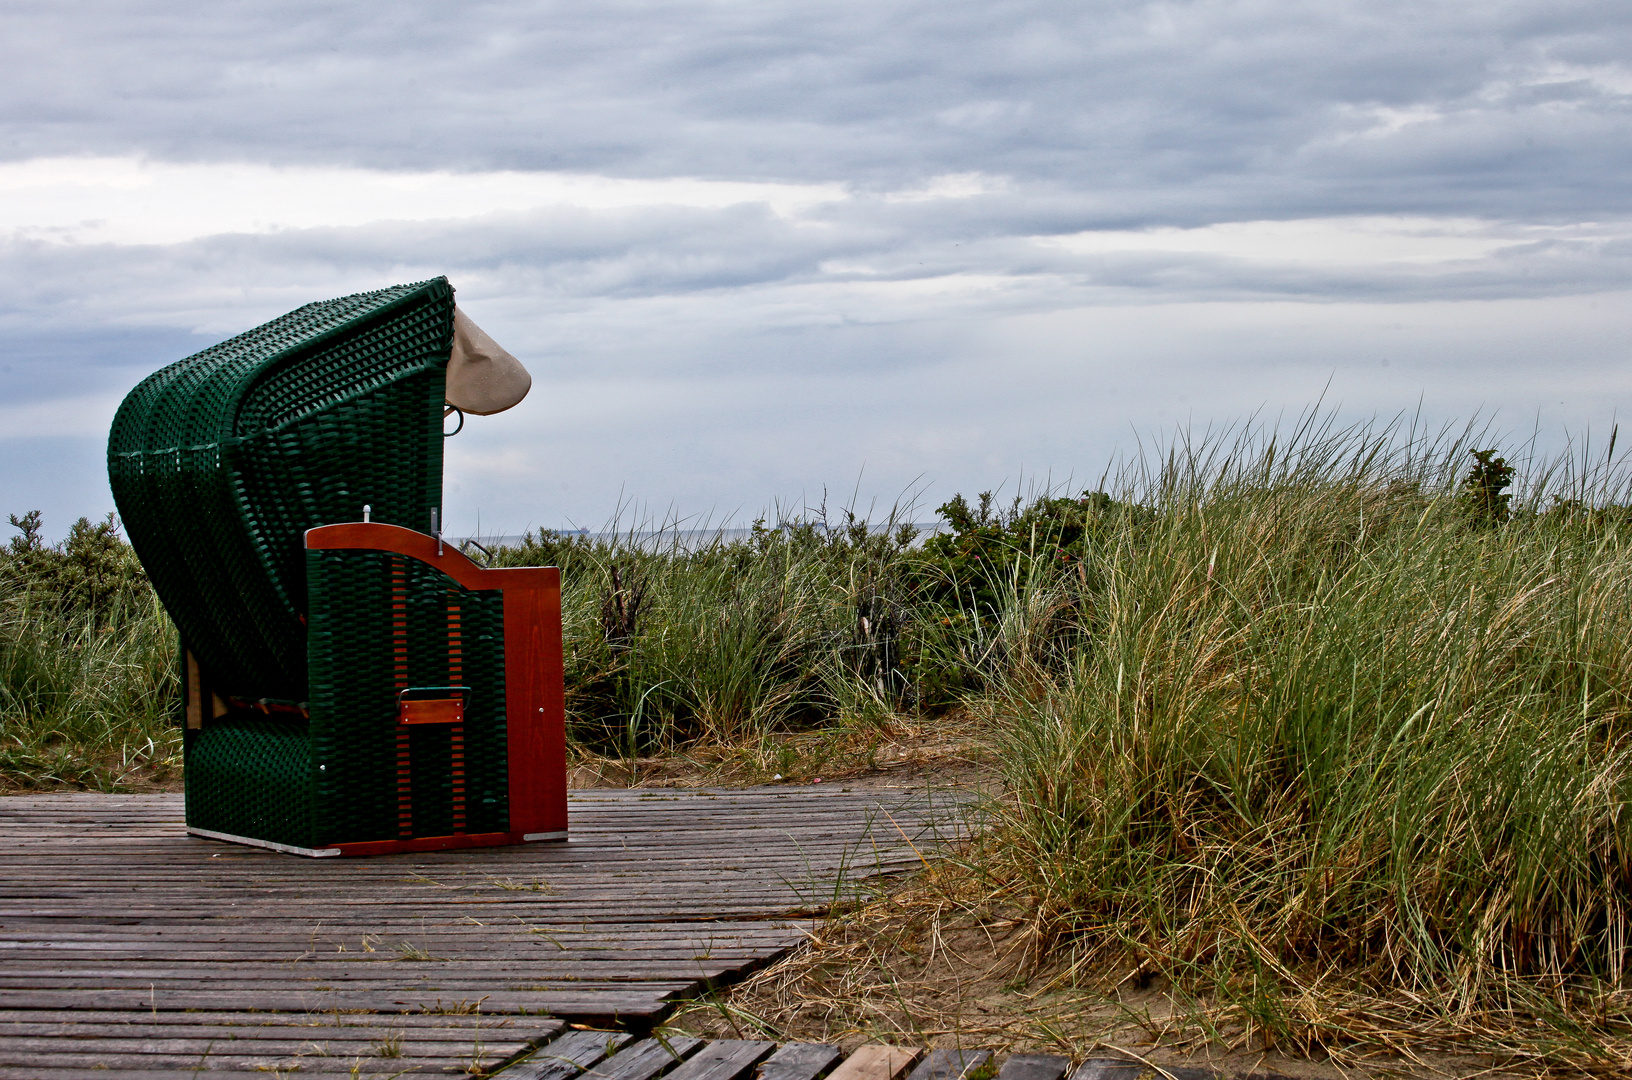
(534, 698)
(388, 847)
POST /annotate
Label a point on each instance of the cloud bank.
(755, 250)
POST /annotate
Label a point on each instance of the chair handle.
(417, 689)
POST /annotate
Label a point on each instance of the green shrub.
(994, 585)
(93, 571)
(1484, 489)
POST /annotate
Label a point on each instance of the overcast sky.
(754, 250)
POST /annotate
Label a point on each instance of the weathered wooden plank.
(278, 1040)
(389, 1068)
(1034, 1067)
(313, 1060)
(596, 963)
(823, 856)
(686, 830)
(724, 1059)
(580, 971)
(319, 997)
(786, 886)
(636, 909)
(1122, 1069)
(771, 876)
(875, 1062)
(646, 1059)
(503, 942)
(44, 843)
(568, 1055)
(339, 918)
(90, 928)
(40, 879)
(493, 949)
(604, 802)
(45, 879)
(84, 934)
(382, 976)
(801, 1061)
(819, 844)
(767, 899)
(949, 1064)
(538, 1025)
(627, 1004)
(771, 880)
(307, 1057)
(87, 1030)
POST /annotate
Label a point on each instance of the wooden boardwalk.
(601, 1055)
(129, 947)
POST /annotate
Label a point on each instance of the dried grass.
(885, 752)
(940, 962)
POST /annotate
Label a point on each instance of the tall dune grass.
(86, 698)
(673, 643)
(1307, 723)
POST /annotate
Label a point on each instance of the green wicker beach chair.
(353, 684)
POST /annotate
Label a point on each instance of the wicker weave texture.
(220, 462)
(252, 776)
(380, 623)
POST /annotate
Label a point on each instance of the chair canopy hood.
(220, 462)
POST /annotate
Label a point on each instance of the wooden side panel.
(535, 697)
(535, 707)
(195, 694)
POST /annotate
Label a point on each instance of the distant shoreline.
(687, 537)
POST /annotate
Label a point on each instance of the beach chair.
(352, 683)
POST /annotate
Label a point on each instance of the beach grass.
(87, 701)
(1325, 734)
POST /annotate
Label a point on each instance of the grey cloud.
(1150, 104)
(572, 260)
